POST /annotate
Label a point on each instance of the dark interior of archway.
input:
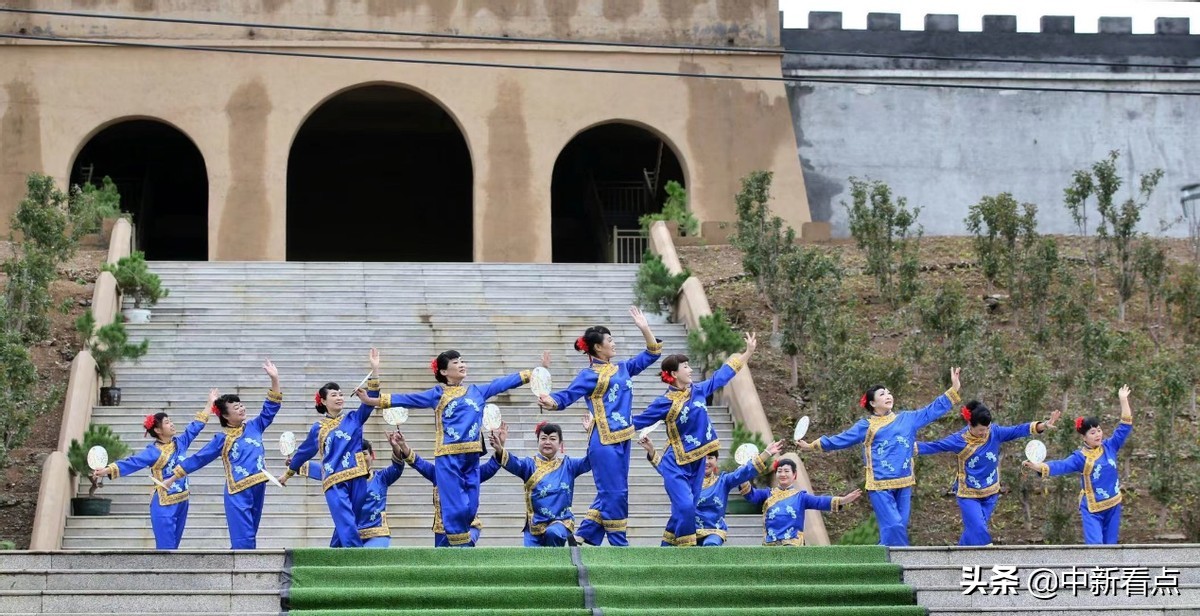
(379, 173)
(596, 177)
(163, 183)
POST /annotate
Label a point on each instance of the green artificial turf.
(727, 581)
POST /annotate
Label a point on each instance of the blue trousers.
(610, 471)
(976, 515)
(684, 484)
(713, 541)
(891, 510)
(1102, 527)
(378, 542)
(555, 536)
(457, 478)
(440, 540)
(243, 512)
(168, 522)
(345, 499)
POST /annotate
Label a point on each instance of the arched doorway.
(163, 182)
(388, 170)
(604, 180)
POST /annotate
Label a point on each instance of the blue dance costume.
(373, 527)
(458, 415)
(549, 486)
(690, 438)
(783, 512)
(978, 483)
(711, 529)
(609, 390)
(888, 444)
(427, 470)
(241, 452)
(338, 441)
(169, 507)
(1100, 493)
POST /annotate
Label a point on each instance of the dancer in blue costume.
(690, 436)
(168, 506)
(784, 506)
(549, 485)
(711, 529)
(458, 416)
(337, 439)
(608, 386)
(978, 449)
(373, 527)
(426, 469)
(1096, 462)
(889, 440)
(240, 448)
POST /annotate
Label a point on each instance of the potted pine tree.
(102, 435)
(656, 288)
(108, 345)
(135, 280)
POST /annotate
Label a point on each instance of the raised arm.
(578, 466)
(638, 363)
(953, 443)
(366, 407)
(757, 496)
(274, 399)
(389, 474)
(200, 459)
(521, 467)
(829, 503)
(1121, 434)
(943, 403)
(726, 372)
(197, 424)
(505, 383)
(752, 468)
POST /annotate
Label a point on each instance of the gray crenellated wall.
(943, 148)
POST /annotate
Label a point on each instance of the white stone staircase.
(936, 573)
(141, 583)
(316, 322)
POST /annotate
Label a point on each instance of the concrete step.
(136, 579)
(113, 601)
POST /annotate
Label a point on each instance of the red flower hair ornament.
(317, 398)
(433, 366)
(581, 345)
(966, 413)
(148, 422)
(1078, 423)
(775, 465)
(537, 430)
(863, 401)
(667, 378)
(214, 410)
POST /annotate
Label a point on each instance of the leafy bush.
(709, 344)
(675, 209)
(135, 279)
(656, 287)
(96, 435)
(90, 206)
(886, 230)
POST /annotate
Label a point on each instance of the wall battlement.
(1050, 24)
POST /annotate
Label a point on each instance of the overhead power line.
(594, 43)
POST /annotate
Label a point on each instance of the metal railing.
(628, 245)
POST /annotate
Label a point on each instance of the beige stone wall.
(243, 111)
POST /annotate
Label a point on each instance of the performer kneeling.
(338, 440)
(1096, 462)
(978, 449)
(784, 506)
(549, 485)
(240, 448)
(690, 436)
(888, 440)
(169, 505)
(711, 529)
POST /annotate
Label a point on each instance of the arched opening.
(604, 180)
(388, 170)
(163, 183)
